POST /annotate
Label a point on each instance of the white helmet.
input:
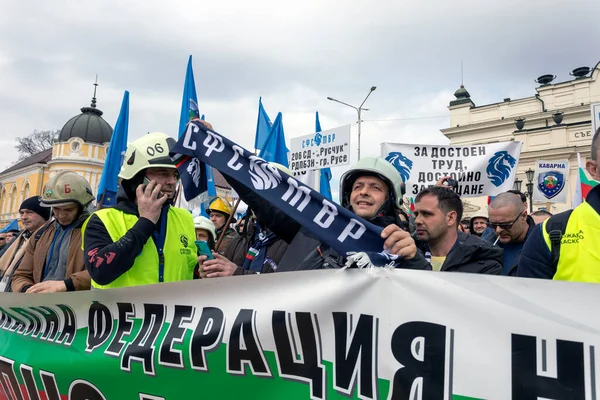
(151, 150)
(201, 222)
(372, 166)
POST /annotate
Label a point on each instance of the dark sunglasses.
(504, 225)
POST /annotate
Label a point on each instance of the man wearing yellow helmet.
(143, 239)
(219, 211)
(53, 260)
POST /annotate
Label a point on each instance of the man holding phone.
(143, 239)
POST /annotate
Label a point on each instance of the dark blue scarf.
(336, 226)
(257, 253)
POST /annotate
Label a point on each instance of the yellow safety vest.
(579, 247)
(179, 250)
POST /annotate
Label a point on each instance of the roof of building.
(462, 97)
(40, 158)
(88, 126)
(220, 180)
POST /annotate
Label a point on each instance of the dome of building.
(88, 126)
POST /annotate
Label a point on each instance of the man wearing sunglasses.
(512, 225)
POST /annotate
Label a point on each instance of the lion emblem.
(193, 169)
(499, 167)
(402, 164)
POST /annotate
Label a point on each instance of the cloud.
(294, 55)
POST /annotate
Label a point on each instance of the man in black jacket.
(438, 212)
(372, 189)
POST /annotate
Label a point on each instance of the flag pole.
(237, 203)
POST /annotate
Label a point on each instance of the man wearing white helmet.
(143, 239)
(372, 189)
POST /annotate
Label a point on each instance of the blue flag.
(107, 190)
(325, 173)
(189, 93)
(274, 149)
(263, 126)
(198, 181)
(13, 226)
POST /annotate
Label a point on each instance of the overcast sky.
(293, 54)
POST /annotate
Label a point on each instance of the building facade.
(81, 146)
(553, 124)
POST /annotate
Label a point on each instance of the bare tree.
(34, 143)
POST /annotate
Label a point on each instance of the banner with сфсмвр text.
(481, 170)
(329, 334)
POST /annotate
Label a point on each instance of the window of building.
(75, 146)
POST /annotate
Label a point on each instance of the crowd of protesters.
(66, 245)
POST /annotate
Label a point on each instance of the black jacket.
(473, 255)
(305, 251)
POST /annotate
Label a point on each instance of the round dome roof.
(89, 126)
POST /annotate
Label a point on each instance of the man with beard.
(54, 261)
(143, 239)
(438, 211)
(372, 189)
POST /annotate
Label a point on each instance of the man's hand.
(48, 287)
(208, 125)
(440, 182)
(220, 266)
(149, 204)
(398, 241)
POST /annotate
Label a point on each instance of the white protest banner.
(551, 181)
(595, 108)
(481, 170)
(325, 149)
(328, 334)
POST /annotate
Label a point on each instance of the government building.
(553, 124)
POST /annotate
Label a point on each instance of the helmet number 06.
(152, 150)
(67, 188)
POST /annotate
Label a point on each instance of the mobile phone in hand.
(203, 249)
(146, 182)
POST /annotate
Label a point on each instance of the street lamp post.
(529, 174)
(358, 111)
(517, 185)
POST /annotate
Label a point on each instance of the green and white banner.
(331, 334)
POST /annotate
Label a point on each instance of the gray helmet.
(373, 166)
(67, 187)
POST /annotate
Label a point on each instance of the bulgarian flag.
(583, 185)
(411, 206)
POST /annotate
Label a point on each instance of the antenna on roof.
(462, 74)
(95, 87)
